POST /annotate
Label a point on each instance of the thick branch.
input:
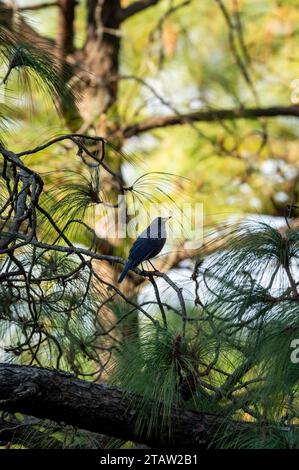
(103, 409)
(136, 7)
(209, 116)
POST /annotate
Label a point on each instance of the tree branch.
(14, 431)
(136, 7)
(209, 116)
(38, 6)
(103, 409)
(29, 434)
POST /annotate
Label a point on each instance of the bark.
(103, 409)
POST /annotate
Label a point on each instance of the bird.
(149, 243)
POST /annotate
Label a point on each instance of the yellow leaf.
(169, 39)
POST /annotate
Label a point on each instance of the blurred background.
(177, 58)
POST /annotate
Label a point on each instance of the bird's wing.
(144, 248)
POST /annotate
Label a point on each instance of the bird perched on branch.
(149, 243)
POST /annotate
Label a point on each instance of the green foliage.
(153, 375)
(35, 62)
(236, 357)
(35, 67)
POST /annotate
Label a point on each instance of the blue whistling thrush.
(149, 243)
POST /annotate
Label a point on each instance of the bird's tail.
(128, 266)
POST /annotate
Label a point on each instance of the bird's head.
(163, 219)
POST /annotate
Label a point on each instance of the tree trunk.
(65, 31)
(100, 61)
(103, 409)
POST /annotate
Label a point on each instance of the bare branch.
(16, 432)
(38, 6)
(136, 7)
(209, 116)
